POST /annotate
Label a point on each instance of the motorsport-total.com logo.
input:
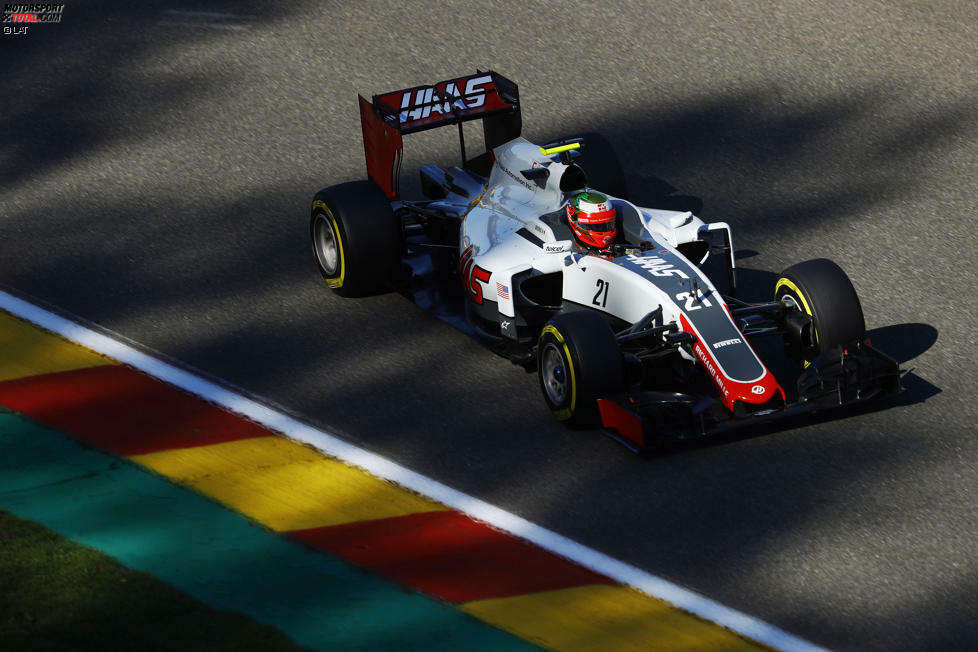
(17, 18)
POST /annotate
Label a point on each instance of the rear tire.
(356, 240)
(820, 289)
(578, 361)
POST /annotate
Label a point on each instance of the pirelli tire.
(356, 239)
(578, 361)
(823, 293)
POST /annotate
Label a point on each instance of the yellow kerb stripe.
(26, 350)
(284, 485)
(601, 617)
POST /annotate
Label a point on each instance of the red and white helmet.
(592, 218)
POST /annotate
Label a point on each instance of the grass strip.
(56, 594)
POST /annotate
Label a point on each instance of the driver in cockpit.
(593, 219)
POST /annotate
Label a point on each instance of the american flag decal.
(502, 290)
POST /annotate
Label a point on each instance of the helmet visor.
(600, 219)
(602, 227)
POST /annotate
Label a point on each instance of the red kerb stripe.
(123, 411)
(450, 556)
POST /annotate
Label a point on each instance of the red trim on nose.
(756, 392)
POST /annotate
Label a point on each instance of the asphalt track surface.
(156, 166)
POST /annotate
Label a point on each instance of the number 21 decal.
(601, 296)
(691, 300)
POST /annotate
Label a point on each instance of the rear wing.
(486, 96)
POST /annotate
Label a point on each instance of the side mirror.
(573, 179)
(537, 175)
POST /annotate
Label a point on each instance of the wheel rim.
(809, 349)
(789, 301)
(327, 248)
(554, 374)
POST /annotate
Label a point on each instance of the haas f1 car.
(610, 305)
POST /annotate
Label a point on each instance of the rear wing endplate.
(486, 96)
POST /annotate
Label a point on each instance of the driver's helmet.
(592, 218)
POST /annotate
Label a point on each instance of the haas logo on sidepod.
(471, 274)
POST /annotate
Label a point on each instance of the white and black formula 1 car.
(630, 336)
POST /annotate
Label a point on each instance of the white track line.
(645, 582)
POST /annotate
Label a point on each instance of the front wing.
(641, 420)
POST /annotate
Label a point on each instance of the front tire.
(578, 361)
(356, 239)
(820, 290)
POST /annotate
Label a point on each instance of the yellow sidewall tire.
(591, 362)
(822, 290)
(321, 212)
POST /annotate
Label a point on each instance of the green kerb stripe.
(221, 558)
